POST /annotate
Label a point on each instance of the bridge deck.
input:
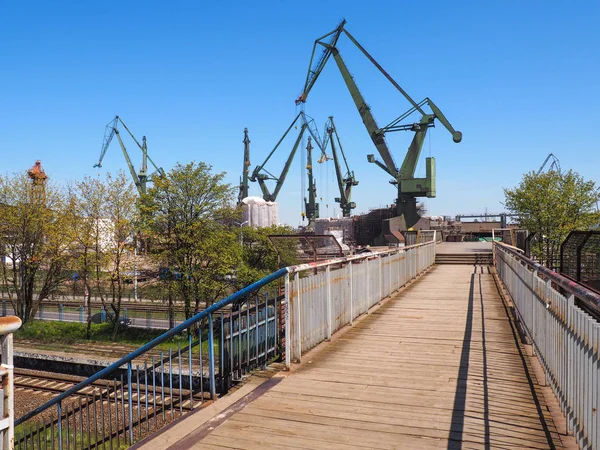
(438, 366)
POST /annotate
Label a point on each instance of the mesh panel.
(587, 270)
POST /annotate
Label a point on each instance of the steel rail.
(160, 339)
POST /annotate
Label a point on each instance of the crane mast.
(140, 179)
(261, 175)
(344, 182)
(409, 187)
(311, 207)
(243, 193)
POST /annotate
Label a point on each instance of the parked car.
(97, 318)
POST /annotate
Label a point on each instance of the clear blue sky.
(519, 79)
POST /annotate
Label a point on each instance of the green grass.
(61, 334)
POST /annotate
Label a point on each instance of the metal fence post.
(102, 315)
(9, 326)
(81, 314)
(329, 312)
(286, 318)
(351, 295)
(298, 318)
(211, 358)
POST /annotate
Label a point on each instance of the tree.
(35, 235)
(121, 215)
(552, 204)
(260, 257)
(186, 215)
(88, 200)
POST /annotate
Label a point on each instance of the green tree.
(186, 215)
(259, 257)
(552, 204)
(35, 224)
(120, 216)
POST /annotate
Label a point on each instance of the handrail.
(8, 325)
(197, 318)
(349, 258)
(153, 343)
(577, 289)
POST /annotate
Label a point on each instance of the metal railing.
(554, 313)
(139, 317)
(124, 402)
(8, 325)
(320, 303)
(154, 385)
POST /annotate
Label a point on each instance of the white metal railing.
(318, 303)
(564, 336)
(8, 325)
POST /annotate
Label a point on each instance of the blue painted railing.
(243, 327)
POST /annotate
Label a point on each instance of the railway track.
(54, 384)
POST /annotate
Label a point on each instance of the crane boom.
(555, 163)
(408, 186)
(140, 179)
(261, 175)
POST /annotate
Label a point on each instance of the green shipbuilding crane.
(409, 187)
(346, 181)
(141, 178)
(261, 175)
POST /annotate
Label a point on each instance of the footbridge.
(437, 345)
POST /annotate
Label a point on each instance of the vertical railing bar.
(266, 309)
(200, 333)
(102, 417)
(67, 430)
(297, 311)
(190, 355)
(130, 402)
(123, 416)
(171, 382)
(51, 431)
(146, 395)
(162, 385)
(230, 371)
(95, 411)
(89, 422)
(256, 340)
(139, 407)
(248, 332)
(211, 358)
(221, 353)
(180, 378)
(110, 433)
(154, 393)
(116, 391)
(239, 346)
(59, 428)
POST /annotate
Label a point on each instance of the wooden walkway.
(436, 367)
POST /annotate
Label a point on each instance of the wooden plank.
(436, 367)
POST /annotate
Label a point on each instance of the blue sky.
(519, 79)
